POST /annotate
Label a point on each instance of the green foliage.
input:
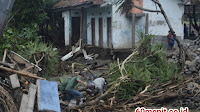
(15, 40)
(38, 50)
(124, 6)
(28, 13)
(149, 66)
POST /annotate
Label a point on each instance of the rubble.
(192, 62)
(18, 77)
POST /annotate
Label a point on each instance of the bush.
(42, 55)
(148, 67)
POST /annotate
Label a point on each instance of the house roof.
(74, 3)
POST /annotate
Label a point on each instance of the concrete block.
(48, 98)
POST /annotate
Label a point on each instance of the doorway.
(109, 32)
(75, 30)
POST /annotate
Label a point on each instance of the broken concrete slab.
(14, 81)
(31, 97)
(24, 102)
(48, 98)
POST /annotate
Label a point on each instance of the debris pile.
(18, 85)
(189, 96)
(192, 61)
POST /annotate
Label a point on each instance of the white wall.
(157, 23)
(122, 30)
(95, 13)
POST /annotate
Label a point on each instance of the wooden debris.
(69, 55)
(4, 56)
(87, 57)
(19, 59)
(21, 73)
(14, 81)
(7, 64)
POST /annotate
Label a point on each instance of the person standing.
(170, 41)
(185, 31)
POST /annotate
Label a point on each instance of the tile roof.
(71, 3)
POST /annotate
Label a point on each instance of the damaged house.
(99, 23)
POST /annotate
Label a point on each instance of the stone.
(189, 72)
(188, 44)
(196, 91)
(190, 86)
(193, 69)
(186, 70)
(187, 62)
(173, 57)
(191, 105)
(171, 61)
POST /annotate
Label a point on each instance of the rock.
(190, 86)
(170, 60)
(196, 104)
(187, 62)
(198, 108)
(188, 44)
(196, 91)
(186, 70)
(193, 69)
(191, 105)
(191, 64)
(173, 57)
(189, 72)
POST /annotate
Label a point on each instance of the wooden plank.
(24, 102)
(69, 55)
(7, 64)
(31, 97)
(21, 73)
(4, 55)
(48, 98)
(14, 81)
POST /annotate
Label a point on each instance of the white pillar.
(67, 26)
